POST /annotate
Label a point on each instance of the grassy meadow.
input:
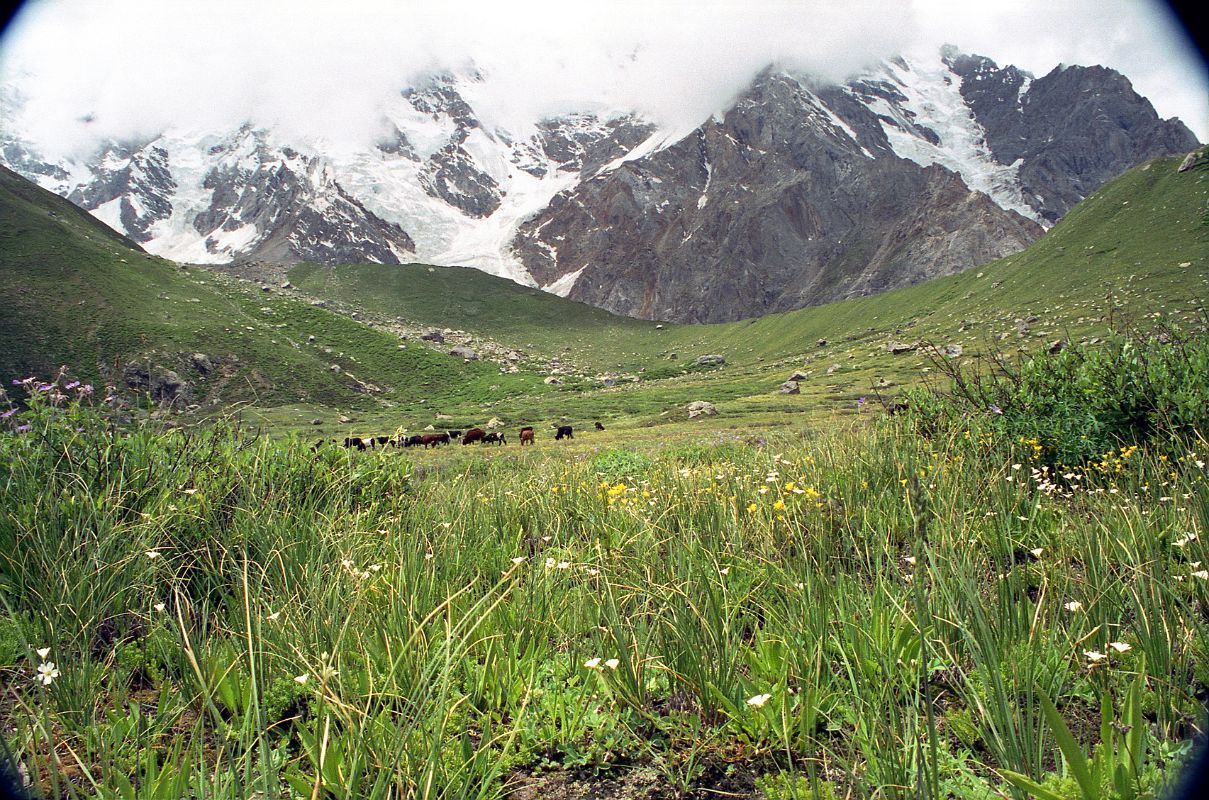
(929, 605)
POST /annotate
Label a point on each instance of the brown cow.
(434, 439)
(527, 435)
(474, 435)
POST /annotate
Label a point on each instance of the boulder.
(169, 388)
(709, 361)
(1055, 347)
(444, 416)
(699, 408)
(951, 350)
(1189, 161)
(821, 343)
(136, 378)
(433, 336)
(287, 285)
(494, 423)
(798, 375)
(834, 368)
(898, 348)
(461, 351)
(790, 387)
(202, 363)
(553, 381)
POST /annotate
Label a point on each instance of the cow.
(527, 435)
(599, 427)
(354, 441)
(564, 432)
(474, 435)
(378, 440)
(454, 434)
(413, 441)
(495, 438)
(896, 408)
(434, 439)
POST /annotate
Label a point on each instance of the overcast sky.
(323, 69)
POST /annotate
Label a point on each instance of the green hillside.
(78, 294)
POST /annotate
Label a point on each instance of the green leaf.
(1027, 784)
(1076, 761)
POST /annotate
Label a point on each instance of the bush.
(1074, 406)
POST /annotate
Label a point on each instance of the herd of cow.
(435, 439)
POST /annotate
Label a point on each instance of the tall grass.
(870, 612)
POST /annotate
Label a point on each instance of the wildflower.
(758, 700)
(159, 607)
(301, 679)
(592, 663)
(47, 672)
(43, 652)
(996, 409)
(1036, 552)
(612, 663)
(1202, 574)
(724, 571)
(1073, 606)
(22, 428)
(273, 617)
(151, 554)
(910, 560)
(751, 509)
(550, 562)
(592, 570)
(1120, 647)
(1184, 540)
(1094, 656)
(779, 505)
(8, 413)
(564, 565)
(518, 559)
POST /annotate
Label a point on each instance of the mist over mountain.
(800, 191)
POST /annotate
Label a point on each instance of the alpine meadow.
(853, 443)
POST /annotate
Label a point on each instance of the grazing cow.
(564, 432)
(599, 427)
(354, 441)
(495, 438)
(474, 435)
(527, 435)
(413, 441)
(454, 434)
(434, 439)
(895, 408)
(382, 440)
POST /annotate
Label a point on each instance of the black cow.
(474, 435)
(354, 441)
(495, 438)
(564, 432)
(599, 427)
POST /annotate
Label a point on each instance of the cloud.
(326, 71)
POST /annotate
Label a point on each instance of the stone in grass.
(834, 368)
(797, 375)
(201, 362)
(553, 381)
(898, 348)
(790, 387)
(952, 350)
(709, 361)
(464, 352)
(699, 408)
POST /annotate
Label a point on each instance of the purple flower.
(16, 382)
(45, 387)
(996, 409)
(22, 428)
(860, 401)
(86, 389)
(72, 385)
(8, 413)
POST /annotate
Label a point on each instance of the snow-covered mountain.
(798, 193)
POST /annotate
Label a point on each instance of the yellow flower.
(751, 509)
(779, 505)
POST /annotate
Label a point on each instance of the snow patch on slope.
(933, 95)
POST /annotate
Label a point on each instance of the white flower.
(758, 700)
(43, 652)
(592, 570)
(550, 562)
(151, 554)
(1185, 540)
(612, 663)
(724, 570)
(1016, 466)
(518, 559)
(1036, 552)
(375, 567)
(273, 616)
(301, 679)
(564, 565)
(1202, 574)
(1073, 606)
(592, 663)
(159, 607)
(1093, 656)
(47, 672)
(910, 560)
(1120, 647)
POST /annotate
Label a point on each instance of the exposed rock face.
(775, 207)
(138, 178)
(1072, 129)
